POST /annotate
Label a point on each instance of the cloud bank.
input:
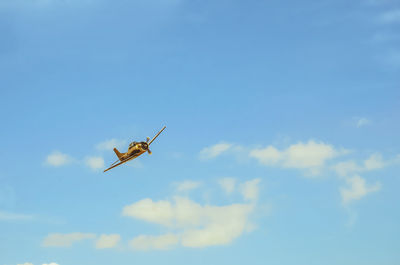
(192, 224)
(312, 158)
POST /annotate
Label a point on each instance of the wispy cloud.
(108, 241)
(360, 122)
(357, 189)
(57, 159)
(187, 185)
(373, 162)
(310, 156)
(7, 216)
(250, 189)
(227, 184)
(162, 242)
(214, 150)
(110, 144)
(65, 240)
(95, 162)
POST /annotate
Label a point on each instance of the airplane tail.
(118, 153)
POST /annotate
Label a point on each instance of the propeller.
(145, 146)
(147, 141)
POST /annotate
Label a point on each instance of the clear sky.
(282, 141)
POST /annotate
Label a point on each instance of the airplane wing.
(157, 135)
(120, 163)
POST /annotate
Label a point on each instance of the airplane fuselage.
(135, 149)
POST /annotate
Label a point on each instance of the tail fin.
(118, 153)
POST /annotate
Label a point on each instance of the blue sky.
(281, 144)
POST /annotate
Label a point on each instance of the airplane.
(135, 149)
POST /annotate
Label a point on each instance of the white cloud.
(160, 212)
(57, 159)
(268, 156)
(27, 263)
(346, 168)
(310, 156)
(222, 225)
(95, 162)
(357, 189)
(250, 189)
(7, 216)
(65, 240)
(110, 144)
(356, 185)
(390, 17)
(108, 241)
(214, 150)
(187, 185)
(194, 225)
(360, 122)
(375, 161)
(227, 184)
(145, 242)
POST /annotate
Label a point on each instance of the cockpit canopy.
(143, 145)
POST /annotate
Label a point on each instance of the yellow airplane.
(135, 149)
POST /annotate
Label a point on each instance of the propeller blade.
(147, 139)
(148, 151)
